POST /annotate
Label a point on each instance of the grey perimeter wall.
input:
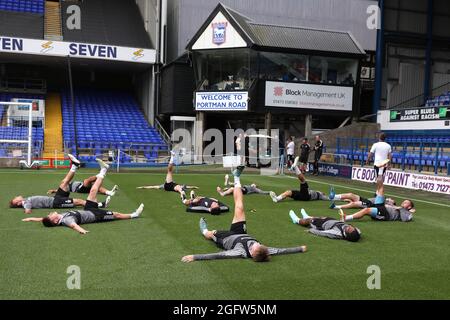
(185, 17)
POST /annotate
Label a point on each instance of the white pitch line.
(369, 191)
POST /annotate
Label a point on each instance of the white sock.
(109, 193)
(279, 198)
(297, 171)
(134, 215)
(349, 218)
(237, 182)
(73, 168)
(102, 173)
(205, 232)
(337, 207)
(337, 197)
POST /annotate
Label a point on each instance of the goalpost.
(8, 138)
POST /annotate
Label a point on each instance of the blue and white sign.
(76, 50)
(221, 101)
(219, 32)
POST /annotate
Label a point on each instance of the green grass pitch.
(140, 259)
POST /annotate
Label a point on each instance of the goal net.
(21, 133)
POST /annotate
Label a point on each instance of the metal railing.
(419, 101)
(23, 85)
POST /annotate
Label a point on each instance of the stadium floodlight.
(14, 140)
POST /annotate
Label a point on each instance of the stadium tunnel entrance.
(89, 107)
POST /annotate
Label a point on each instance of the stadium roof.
(285, 37)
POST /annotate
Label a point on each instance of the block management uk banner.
(408, 180)
(308, 96)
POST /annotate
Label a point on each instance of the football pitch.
(140, 259)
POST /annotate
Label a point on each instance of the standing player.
(327, 227)
(236, 243)
(85, 187)
(304, 194)
(383, 155)
(318, 150)
(59, 201)
(381, 211)
(290, 151)
(91, 212)
(305, 148)
(203, 204)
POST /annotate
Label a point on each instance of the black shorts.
(83, 189)
(382, 214)
(100, 215)
(304, 159)
(244, 190)
(236, 228)
(290, 157)
(170, 186)
(303, 194)
(366, 202)
(62, 200)
(318, 222)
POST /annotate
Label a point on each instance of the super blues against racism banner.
(76, 50)
(408, 180)
(420, 114)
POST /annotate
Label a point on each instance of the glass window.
(283, 66)
(227, 69)
(332, 70)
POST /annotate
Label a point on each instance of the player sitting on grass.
(381, 211)
(61, 199)
(203, 204)
(304, 194)
(91, 212)
(246, 189)
(236, 242)
(85, 187)
(354, 201)
(326, 227)
(170, 185)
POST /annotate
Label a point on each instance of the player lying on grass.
(246, 189)
(381, 211)
(61, 199)
(236, 242)
(326, 227)
(85, 187)
(161, 187)
(203, 204)
(91, 212)
(170, 185)
(354, 201)
(304, 194)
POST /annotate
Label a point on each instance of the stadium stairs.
(52, 21)
(53, 143)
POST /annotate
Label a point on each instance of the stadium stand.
(31, 6)
(107, 120)
(103, 22)
(439, 101)
(22, 18)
